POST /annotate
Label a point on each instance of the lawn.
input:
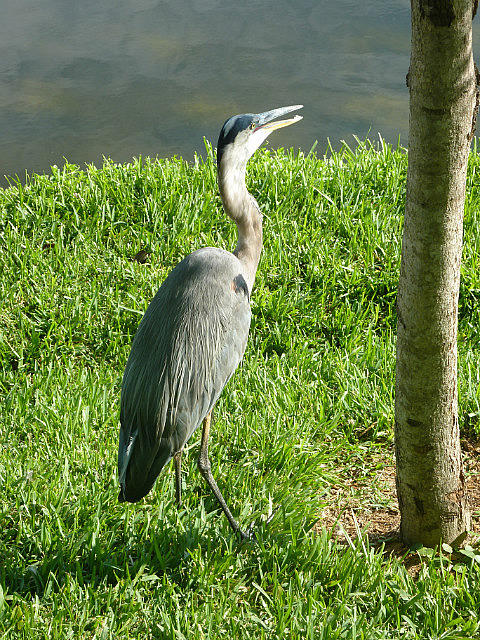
(309, 409)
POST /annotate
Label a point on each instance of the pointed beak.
(265, 119)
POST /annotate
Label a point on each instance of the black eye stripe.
(232, 127)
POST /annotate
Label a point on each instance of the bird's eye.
(252, 125)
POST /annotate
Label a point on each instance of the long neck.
(243, 209)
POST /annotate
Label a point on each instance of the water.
(83, 80)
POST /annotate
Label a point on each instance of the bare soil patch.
(369, 503)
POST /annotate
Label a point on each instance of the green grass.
(311, 403)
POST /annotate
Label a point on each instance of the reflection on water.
(118, 78)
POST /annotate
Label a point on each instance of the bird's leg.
(177, 461)
(206, 471)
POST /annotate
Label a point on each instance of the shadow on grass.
(166, 549)
(108, 564)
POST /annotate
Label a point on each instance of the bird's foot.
(248, 535)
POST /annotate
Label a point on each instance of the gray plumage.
(194, 332)
(202, 340)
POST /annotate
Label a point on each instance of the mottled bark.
(442, 83)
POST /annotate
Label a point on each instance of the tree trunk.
(443, 96)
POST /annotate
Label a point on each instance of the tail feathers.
(125, 450)
(137, 468)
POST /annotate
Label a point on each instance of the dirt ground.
(369, 504)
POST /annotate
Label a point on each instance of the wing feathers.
(189, 343)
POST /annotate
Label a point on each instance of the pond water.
(82, 80)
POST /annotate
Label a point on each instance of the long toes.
(248, 536)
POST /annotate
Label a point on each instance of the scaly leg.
(206, 471)
(177, 461)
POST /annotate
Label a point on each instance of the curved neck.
(243, 209)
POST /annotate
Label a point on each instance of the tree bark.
(443, 103)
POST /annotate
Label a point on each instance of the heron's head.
(241, 135)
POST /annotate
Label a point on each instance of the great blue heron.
(194, 332)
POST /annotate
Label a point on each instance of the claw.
(249, 535)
